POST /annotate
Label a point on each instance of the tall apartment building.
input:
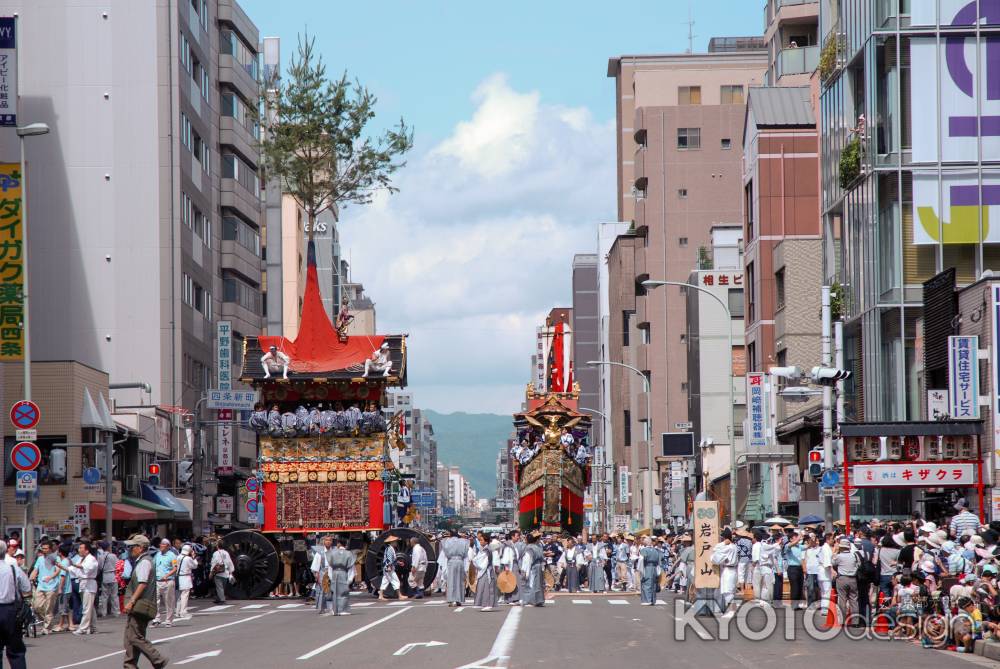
(680, 119)
(149, 220)
(424, 446)
(791, 35)
(586, 336)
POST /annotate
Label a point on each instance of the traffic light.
(816, 463)
(154, 474)
(829, 376)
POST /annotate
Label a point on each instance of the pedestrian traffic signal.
(154, 469)
(829, 376)
(816, 463)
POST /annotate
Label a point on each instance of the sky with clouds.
(513, 167)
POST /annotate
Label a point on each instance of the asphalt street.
(583, 630)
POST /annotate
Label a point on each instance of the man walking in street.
(87, 572)
(14, 585)
(107, 603)
(222, 571)
(418, 568)
(45, 575)
(140, 589)
(342, 565)
(166, 568)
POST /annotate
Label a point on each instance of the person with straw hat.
(389, 575)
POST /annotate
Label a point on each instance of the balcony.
(235, 196)
(235, 134)
(234, 74)
(798, 60)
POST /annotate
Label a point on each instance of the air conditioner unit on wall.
(132, 484)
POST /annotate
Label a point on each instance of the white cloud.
(478, 244)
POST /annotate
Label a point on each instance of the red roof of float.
(317, 348)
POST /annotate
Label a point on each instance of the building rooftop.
(726, 44)
(781, 107)
(718, 47)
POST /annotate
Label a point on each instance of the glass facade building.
(910, 126)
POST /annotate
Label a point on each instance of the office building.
(791, 35)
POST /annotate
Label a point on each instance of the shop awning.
(162, 512)
(163, 497)
(121, 511)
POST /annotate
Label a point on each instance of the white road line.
(619, 602)
(459, 609)
(660, 602)
(581, 601)
(253, 606)
(221, 607)
(395, 603)
(500, 652)
(351, 635)
(169, 638)
(434, 603)
(358, 603)
(291, 606)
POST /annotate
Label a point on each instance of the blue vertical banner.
(963, 377)
(8, 71)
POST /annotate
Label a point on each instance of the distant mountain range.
(471, 441)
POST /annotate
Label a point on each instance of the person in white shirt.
(12, 580)
(764, 557)
(323, 575)
(87, 572)
(825, 576)
(812, 566)
(221, 568)
(418, 568)
(185, 581)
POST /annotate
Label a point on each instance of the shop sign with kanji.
(722, 279)
(758, 413)
(963, 377)
(11, 265)
(914, 475)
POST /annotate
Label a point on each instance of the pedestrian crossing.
(440, 603)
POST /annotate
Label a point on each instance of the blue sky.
(513, 168)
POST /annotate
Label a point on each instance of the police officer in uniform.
(12, 579)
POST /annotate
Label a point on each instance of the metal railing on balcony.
(772, 7)
(797, 60)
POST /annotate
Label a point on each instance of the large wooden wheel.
(373, 561)
(257, 565)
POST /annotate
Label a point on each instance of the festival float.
(327, 455)
(551, 451)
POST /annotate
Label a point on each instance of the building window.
(627, 430)
(731, 95)
(779, 288)
(237, 291)
(727, 144)
(644, 335)
(206, 84)
(233, 167)
(684, 338)
(626, 324)
(231, 44)
(234, 229)
(688, 138)
(684, 386)
(752, 355)
(683, 241)
(187, 294)
(689, 95)
(682, 193)
(749, 286)
(187, 210)
(185, 50)
(735, 298)
(187, 134)
(234, 107)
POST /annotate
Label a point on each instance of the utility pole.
(198, 473)
(827, 357)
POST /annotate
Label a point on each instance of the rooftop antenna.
(691, 35)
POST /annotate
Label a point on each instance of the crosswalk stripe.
(618, 601)
(290, 606)
(220, 607)
(363, 604)
(661, 602)
(254, 606)
(581, 601)
(404, 603)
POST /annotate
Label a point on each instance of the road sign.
(25, 456)
(684, 425)
(25, 415)
(27, 482)
(26, 435)
(831, 478)
(253, 485)
(91, 475)
(251, 506)
(239, 400)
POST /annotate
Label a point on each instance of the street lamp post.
(30, 130)
(603, 512)
(647, 506)
(732, 407)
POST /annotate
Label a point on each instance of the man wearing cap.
(166, 567)
(186, 564)
(845, 565)
(275, 361)
(140, 587)
(221, 568)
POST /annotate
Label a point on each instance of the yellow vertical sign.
(11, 265)
(705, 528)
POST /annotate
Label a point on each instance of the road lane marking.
(661, 602)
(291, 606)
(254, 606)
(354, 604)
(170, 638)
(221, 607)
(351, 635)
(500, 652)
(581, 601)
(619, 602)
(395, 603)
(459, 609)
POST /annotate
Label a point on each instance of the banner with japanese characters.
(705, 527)
(963, 377)
(915, 475)
(758, 412)
(11, 265)
(8, 71)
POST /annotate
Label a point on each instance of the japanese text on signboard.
(757, 410)
(705, 526)
(11, 265)
(914, 475)
(963, 377)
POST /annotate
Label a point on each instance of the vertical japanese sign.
(11, 265)
(758, 414)
(623, 485)
(963, 377)
(8, 71)
(224, 360)
(706, 535)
